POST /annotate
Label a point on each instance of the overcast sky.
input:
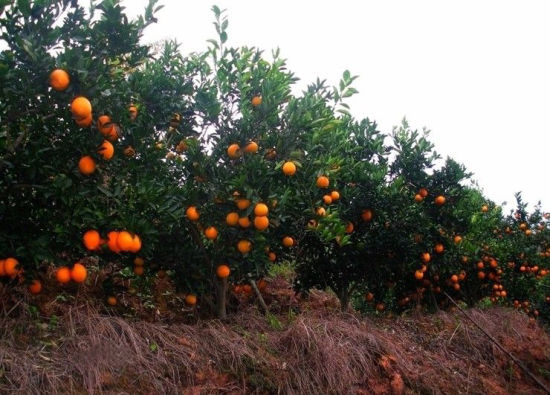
(476, 73)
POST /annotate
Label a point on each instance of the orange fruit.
(454, 278)
(59, 80)
(242, 204)
(10, 267)
(244, 246)
(192, 213)
(244, 222)
(113, 132)
(261, 223)
(440, 200)
(111, 301)
(234, 151)
(86, 165)
(91, 240)
(288, 241)
(138, 261)
(321, 212)
(112, 241)
(223, 271)
(125, 241)
(191, 300)
(271, 256)
(35, 287)
(261, 210)
(84, 122)
(484, 208)
(480, 275)
(256, 101)
(457, 239)
(480, 265)
(419, 274)
(327, 199)
(78, 273)
(323, 182)
(247, 289)
(138, 270)
(366, 215)
(418, 198)
(369, 296)
(380, 307)
(335, 195)
(81, 107)
(289, 169)
(63, 275)
(251, 148)
(232, 219)
(425, 257)
(136, 244)
(133, 111)
(106, 150)
(439, 248)
(456, 286)
(211, 233)
(349, 227)
(423, 192)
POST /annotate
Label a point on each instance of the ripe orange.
(327, 199)
(272, 256)
(191, 300)
(234, 151)
(289, 169)
(232, 219)
(112, 241)
(223, 271)
(111, 301)
(251, 148)
(484, 208)
(457, 239)
(439, 248)
(261, 223)
(138, 261)
(244, 222)
(125, 241)
(211, 233)
(244, 246)
(456, 286)
(369, 297)
(440, 200)
(261, 210)
(192, 213)
(59, 80)
(425, 257)
(103, 124)
(335, 195)
(419, 274)
(528, 232)
(481, 275)
(91, 240)
(321, 212)
(138, 270)
(84, 122)
(242, 204)
(86, 165)
(380, 307)
(349, 227)
(288, 241)
(113, 133)
(366, 215)
(256, 101)
(35, 287)
(418, 198)
(63, 275)
(78, 273)
(81, 107)
(10, 267)
(423, 192)
(454, 278)
(136, 244)
(106, 150)
(323, 182)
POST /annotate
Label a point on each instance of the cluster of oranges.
(117, 241)
(77, 273)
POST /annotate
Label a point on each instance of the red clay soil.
(317, 351)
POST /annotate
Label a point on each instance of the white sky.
(476, 73)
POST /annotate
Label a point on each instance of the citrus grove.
(208, 169)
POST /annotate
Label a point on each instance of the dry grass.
(315, 353)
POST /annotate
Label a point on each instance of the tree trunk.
(221, 296)
(343, 295)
